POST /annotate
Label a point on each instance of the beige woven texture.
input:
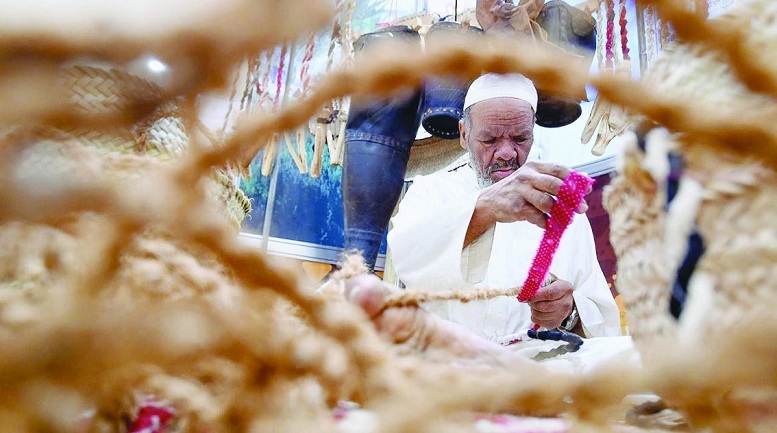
(160, 135)
(735, 219)
(124, 281)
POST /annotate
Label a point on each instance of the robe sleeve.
(428, 232)
(595, 304)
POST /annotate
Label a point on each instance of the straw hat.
(430, 154)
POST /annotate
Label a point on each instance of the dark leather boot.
(575, 31)
(378, 136)
(444, 96)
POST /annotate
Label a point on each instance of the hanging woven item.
(609, 62)
(271, 149)
(326, 127)
(610, 121)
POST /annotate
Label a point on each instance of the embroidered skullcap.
(490, 86)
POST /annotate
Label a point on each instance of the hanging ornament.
(322, 125)
(624, 31)
(271, 149)
(609, 53)
(304, 73)
(601, 34)
(608, 119)
(262, 86)
(651, 48)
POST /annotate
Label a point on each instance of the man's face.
(501, 136)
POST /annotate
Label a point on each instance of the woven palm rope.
(737, 222)
(635, 204)
(737, 271)
(268, 362)
(736, 276)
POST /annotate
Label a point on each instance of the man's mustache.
(501, 165)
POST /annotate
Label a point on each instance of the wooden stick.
(302, 146)
(330, 142)
(318, 150)
(340, 145)
(294, 155)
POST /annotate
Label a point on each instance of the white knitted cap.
(490, 86)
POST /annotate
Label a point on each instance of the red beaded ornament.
(570, 196)
(624, 32)
(609, 53)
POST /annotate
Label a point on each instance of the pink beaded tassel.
(569, 198)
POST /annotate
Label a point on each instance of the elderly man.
(480, 226)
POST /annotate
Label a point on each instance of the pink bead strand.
(624, 31)
(609, 53)
(570, 196)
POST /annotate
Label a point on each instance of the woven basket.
(636, 208)
(737, 211)
(95, 91)
(160, 135)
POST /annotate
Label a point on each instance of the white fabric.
(596, 354)
(490, 86)
(426, 250)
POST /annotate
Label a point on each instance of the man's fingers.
(547, 320)
(538, 316)
(552, 292)
(368, 292)
(551, 178)
(545, 306)
(582, 208)
(548, 184)
(534, 216)
(550, 168)
(540, 200)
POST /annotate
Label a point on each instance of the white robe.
(426, 241)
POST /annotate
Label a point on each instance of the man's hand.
(527, 194)
(552, 304)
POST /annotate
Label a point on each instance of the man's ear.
(462, 135)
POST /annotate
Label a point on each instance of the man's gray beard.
(484, 180)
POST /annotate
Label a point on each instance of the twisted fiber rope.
(736, 216)
(415, 298)
(650, 34)
(694, 384)
(737, 223)
(635, 205)
(318, 308)
(744, 36)
(194, 41)
(407, 298)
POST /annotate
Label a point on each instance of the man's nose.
(505, 150)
